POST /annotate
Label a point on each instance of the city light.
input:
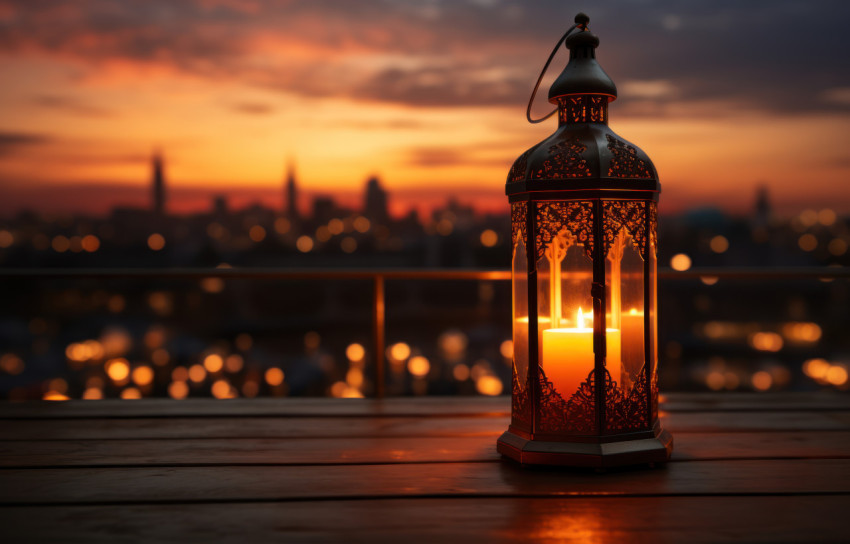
(808, 242)
(197, 373)
(244, 342)
(418, 366)
(90, 243)
(680, 262)
(766, 341)
(257, 233)
(213, 362)
(93, 393)
(156, 241)
(354, 377)
(460, 372)
(399, 351)
(762, 380)
(489, 238)
(282, 225)
(355, 352)
(719, 244)
(274, 376)
(142, 375)
(304, 244)
(118, 369)
(221, 389)
(6, 239)
(234, 363)
(178, 390)
(348, 244)
(11, 364)
(506, 348)
(489, 385)
(131, 393)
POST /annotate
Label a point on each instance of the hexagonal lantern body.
(583, 224)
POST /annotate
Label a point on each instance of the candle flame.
(633, 311)
(581, 316)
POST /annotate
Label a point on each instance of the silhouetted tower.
(158, 184)
(763, 212)
(291, 194)
(375, 207)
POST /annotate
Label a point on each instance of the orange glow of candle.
(568, 357)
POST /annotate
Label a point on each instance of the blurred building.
(158, 182)
(375, 205)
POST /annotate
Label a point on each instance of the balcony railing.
(378, 278)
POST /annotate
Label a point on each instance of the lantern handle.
(581, 21)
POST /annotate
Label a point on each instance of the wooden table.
(756, 468)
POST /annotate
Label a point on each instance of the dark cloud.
(70, 104)
(435, 157)
(253, 108)
(775, 55)
(11, 142)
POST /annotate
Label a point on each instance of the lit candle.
(568, 355)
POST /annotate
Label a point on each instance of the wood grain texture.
(656, 520)
(390, 450)
(394, 407)
(235, 483)
(746, 467)
(385, 426)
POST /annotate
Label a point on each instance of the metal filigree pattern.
(520, 400)
(556, 415)
(582, 109)
(565, 161)
(654, 396)
(653, 226)
(518, 220)
(517, 172)
(553, 218)
(626, 163)
(628, 215)
(626, 411)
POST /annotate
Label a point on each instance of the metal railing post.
(378, 323)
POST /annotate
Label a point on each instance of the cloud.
(758, 55)
(838, 96)
(443, 156)
(71, 105)
(253, 108)
(11, 142)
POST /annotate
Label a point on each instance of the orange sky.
(391, 92)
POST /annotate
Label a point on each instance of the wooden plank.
(259, 407)
(420, 406)
(740, 402)
(213, 452)
(635, 520)
(246, 427)
(224, 483)
(270, 427)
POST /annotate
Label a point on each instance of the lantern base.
(656, 449)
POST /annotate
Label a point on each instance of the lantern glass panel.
(565, 312)
(653, 325)
(625, 313)
(520, 305)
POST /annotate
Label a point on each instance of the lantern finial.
(581, 20)
(583, 74)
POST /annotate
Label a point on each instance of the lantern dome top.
(583, 74)
(583, 154)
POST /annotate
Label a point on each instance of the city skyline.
(428, 96)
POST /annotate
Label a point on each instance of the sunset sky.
(427, 94)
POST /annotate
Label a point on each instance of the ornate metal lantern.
(583, 222)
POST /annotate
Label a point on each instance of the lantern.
(584, 272)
